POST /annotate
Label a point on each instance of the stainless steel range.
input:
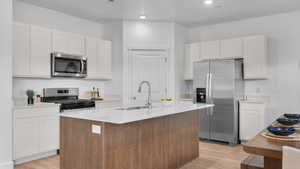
(68, 98)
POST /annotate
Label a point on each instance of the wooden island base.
(166, 142)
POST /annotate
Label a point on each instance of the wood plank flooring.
(211, 156)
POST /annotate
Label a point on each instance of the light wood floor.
(211, 156)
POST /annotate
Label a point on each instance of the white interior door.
(149, 66)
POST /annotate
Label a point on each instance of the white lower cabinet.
(36, 132)
(49, 133)
(26, 137)
(252, 119)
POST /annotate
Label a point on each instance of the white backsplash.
(20, 85)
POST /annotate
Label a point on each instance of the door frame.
(127, 67)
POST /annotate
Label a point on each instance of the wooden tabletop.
(260, 145)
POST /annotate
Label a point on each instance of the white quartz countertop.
(113, 115)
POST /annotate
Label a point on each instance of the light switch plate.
(96, 129)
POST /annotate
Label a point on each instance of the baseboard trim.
(35, 157)
(7, 165)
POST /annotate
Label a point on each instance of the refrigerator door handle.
(207, 89)
(210, 92)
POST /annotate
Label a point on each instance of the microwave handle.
(82, 66)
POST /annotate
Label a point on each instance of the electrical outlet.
(96, 129)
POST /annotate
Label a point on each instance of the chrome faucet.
(149, 102)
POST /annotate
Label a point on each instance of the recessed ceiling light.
(143, 17)
(208, 2)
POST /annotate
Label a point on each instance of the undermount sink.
(133, 108)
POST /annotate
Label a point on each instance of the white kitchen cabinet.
(31, 50)
(36, 132)
(26, 137)
(48, 133)
(105, 54)
(68, 43)
(40, 50)
(210, 50)
(92, 57)
(21, 50)
(231, 48)
(189, 74)
(252, 119)
(255, 57)
(195, 51)
(99, 58)
(76, 44)
(192, 54)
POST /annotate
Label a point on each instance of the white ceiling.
(186, 12)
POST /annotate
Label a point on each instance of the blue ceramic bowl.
(281, 131)
(292, 115)
(288, 122)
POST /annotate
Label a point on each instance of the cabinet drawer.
(36, 112)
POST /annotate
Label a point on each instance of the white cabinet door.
(40, 47)
(76, 44)
(252, 119)
(189, 74)
(255, 58)
(210, 50)
(21, 50)
(99, 58)
(48, 133)
(69, 43)
(195, 51)
(92, 57)
(231, 48)
(26, 137)
(104, 57)
(60, 42)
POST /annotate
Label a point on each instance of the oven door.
(68, 65)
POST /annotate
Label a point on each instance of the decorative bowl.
(292, 115)
(288, 122)
(281, 131)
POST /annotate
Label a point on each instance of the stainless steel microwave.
(65, 65)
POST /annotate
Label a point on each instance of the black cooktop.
(69, 103)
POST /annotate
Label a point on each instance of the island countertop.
(116, 116)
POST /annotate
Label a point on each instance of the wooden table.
(265, 153)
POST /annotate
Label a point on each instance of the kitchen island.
(164, 137)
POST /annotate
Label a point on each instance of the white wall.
(147, 35)
(283, 31)
(6, 84)
(31, 14)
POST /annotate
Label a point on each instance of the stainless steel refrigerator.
(223, 85)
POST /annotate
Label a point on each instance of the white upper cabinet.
(255, 57)
(92, 57)
(210, 50)
(105, 56)
(40, 50)
(76, 44)
(195, 51)
(231, 48)
(192, 54)
(31, 50)
(21, 50)
(69, 43)
(188, 63)
(99, 57)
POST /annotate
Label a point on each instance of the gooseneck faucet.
(149, 102)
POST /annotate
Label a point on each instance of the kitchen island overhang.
(164, 138)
